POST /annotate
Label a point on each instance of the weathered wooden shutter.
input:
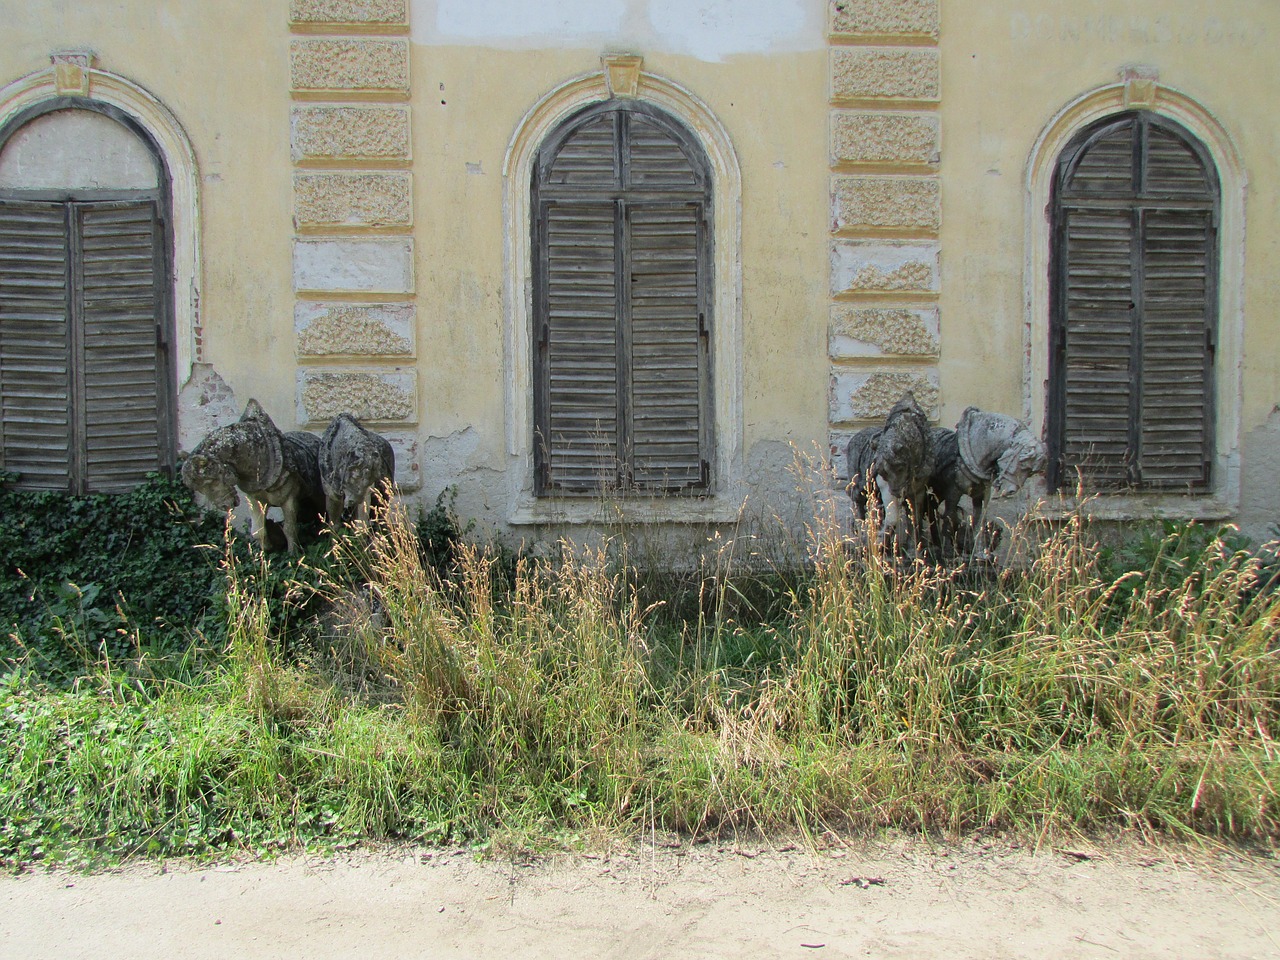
(1098, 347)
(1131, 382)
(35, 344)
(578, 341)
(622, 372)
(117, 259)
(667, 355)
(83, 377)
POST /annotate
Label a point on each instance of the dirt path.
(899, 898)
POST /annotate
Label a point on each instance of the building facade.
(575, 257)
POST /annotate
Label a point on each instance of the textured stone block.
(894, 73)
(883, 331)
(907, 138)
(864, 266)
(861, 18)
(353, 199)
(355, 266)
(382, 12)
(860, 395)
(354, 329)
(408, 459)
(349, 64)
(909, 203)
(370, 396)
(350, 133)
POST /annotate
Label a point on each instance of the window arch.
(621, 307)
(720, 500)
(1133, 307)
(86, 333)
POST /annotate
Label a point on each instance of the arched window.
(1133, 308)
(86, 369)
(622, 325)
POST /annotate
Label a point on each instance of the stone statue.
(355, 464)
(902, 465)
(986, 453)
(271, 468)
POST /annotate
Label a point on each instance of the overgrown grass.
(547, 699)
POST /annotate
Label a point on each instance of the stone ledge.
(354, 329)
(388, 12)
(353, 266)
(885, 138)
(372, 397)
(350, 133)
(352, 199)
(880, 18)
(885, 73)
(859, 332)
(907, 203)
(869, 395)
(878, 267)
(347, 64)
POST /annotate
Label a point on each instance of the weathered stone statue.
(355, 464)
(271, 468)
(860, 456)
(986, 453)
(903, 463)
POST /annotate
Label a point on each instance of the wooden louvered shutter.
(1131, 375)
(118, 259)
(1097, 346)
(1178, 345)
(622, 371)
(83, 362)
(578, 343)
(35, 343)
(668, 355)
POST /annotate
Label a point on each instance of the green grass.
(538, 700)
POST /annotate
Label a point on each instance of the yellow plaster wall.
(459, 146)
(223, 70)
(1008, 67)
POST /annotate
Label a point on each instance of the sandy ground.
(893, 898)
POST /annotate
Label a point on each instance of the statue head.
(211, 479)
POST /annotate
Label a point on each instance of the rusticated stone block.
(344, 63)
(354, 266)
(354, 329)
(857, 18)
(859, 395)
(910, 203)
(352, 199)
(907, 138)
(408, 453)
(369, 396)
(389, 12)
(891, 73)
(350, 133)
(865, 266)
(883, 331)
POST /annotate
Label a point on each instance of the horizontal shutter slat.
(581, 350)
(121, 362)
(35, 427)
(1099, 345)
(1175, 366)
(667, 356)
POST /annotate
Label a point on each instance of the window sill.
(618, 510)
(1135, 506)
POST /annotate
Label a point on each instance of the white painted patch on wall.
(362, 266)
(707, 29)
(74, 149)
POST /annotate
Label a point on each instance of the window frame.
(624, 198)
(75, 202)
(1139, 202)
(1138, 90)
